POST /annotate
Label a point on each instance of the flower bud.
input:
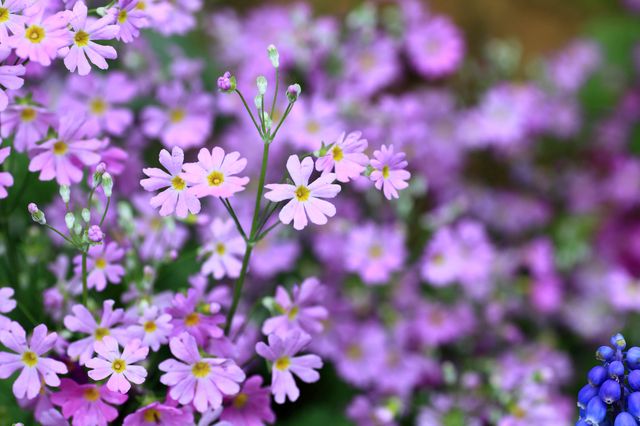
(596, 411)
(293, 92)
(173, 254)
(597, 376)
(262, 84)
(101, 168)
(33, 209)
(65, 193)
(616, 369)
(37, 215)
(70, 219)
(77, 229)
(586, 394)
(227, 83)
(86, 215)
(605, 354)
(633, 355)
(609, 392)
(267, 121)
(633, 403)
(625, 419)
(618, 341)
(148, 272)
(95, 234)
(634, 379)
(107, 184)
(258, 101)
(274, 56)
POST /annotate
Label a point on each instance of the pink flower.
(250, 407)
(28, 124)
(305, 197)
(175, 197)
(281, 353)
(83, 45)
(159, 415)
(304, 313)
(118, 366)
(186, 319)
(347, 156)
(41, 40)
(12, 21)
(59, 157)
(225, 248)
(202, 381)
(153, 329)
(101, 266)
(213, 174)
(9, 76)
(87, 404)
(130, 18)
(6, 305)
(5, 177)
(94, 233)
(83, 322)
(389, 173)
(28, 358)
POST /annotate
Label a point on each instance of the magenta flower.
(389, 174)
(6, 305)
(441, 262)
(84, 33)
(159, 415)
(101, 266)
(250, 407)
(304, 312)
(130, 17)
(152, 329)
(83, 322)
(281, 353)
(186, 319)
(224, 249)
(213, 174)
(29, 359)
(60, 157)
(6, 179)
(9, 76)
(28, 124)
(305, 197)
(87, 404)
(41, 40)
(175, 197)
(346, 156)
(118, 366)
(202, 381)
(94, 233)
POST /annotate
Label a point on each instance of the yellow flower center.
(177, 115)
(240, 400)
(101, 263)
(27, 114)
(34, 34)
(215, 178)
(118, 366)
(192, 319)
(178, 183)
(201, 369)
(92, 394)
(60, 148)
(4, 14)
(282, 363)
(81, 38)
(152, 415)
(313, 126)
(293, 313)
(438, 259)
(122, 16)
(302, 193)
(150, 326)
(141, 5)
(97, 107)
(385, 172)
(221, 249)
(375, 251)
(100, 333)
(354, 352)
(29, 358)
(337, 153)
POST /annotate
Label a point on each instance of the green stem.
(59, 233)
(288, 110)
(249, 111)
(90, 198)
(275, 96)
(236, 296)
(105, 210)
(85, 290)
(26, 312)
(256, 212)
(227, 205)
(264, 234)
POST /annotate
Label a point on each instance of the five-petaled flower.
(118, 366)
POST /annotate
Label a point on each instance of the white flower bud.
(107, 184)
(70, 219)
(258, 101)
(274, 56)
(65, 193)
(267, 121)
(86, 215)
(262, 84)
(77, 229)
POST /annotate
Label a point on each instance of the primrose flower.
(186, 319)
(153, 329)
(213, 174)
(347, 156)
(12, 20)
(281, 353)
(101, 266)
(29, 359)
(118, 366)
(84, 33)
(130, 17)
(87, 404)
(6, 179)
(160, 415)
(202, 381)
(225, 248)
(304, 312)
(41, 40)
(388, 171)
(28, 124)
(6, 305)
(60, 156)
(9, 76)
(175, 197)
(305, 197)
(251, 406)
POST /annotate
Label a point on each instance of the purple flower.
(101, 266)
(13, 21)
(213, 174)
(84, 33)
(160, 415)
(370, 68)
(272, 255)
(28, 124)
(202, 381)
(29, 359)
(95, 233)
(305, 197)
(225, 82)
(347, 156)
(175, 197)
(130, 16)
(224, 249)
(281, 353)
(9, 76)
(251, 406)
(153, 329)
(118, 366)
(362, 411)
(6, 179)
(87, 404)
(388, 171)
(6, 305)
(186, 319)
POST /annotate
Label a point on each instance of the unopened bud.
(107, 184)
(77, 229)
(293, 92)
(101, 169)
(274, 56)
(227, 83)
(148, 272)
(70, 219)
(37, 215)
(65, 193)
(95, 234)
(267, 121)
(173, 254)
(262, 84)
(33, 208)
(86, 215)
(258, 101)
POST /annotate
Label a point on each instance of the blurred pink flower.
(347, 156)
(388, 171)
(101, 265)
(87, 404)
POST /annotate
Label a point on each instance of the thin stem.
(267, 216)
(59, 233)
(275, 96)
(105, 210)
(90, 198)
(250, 114)
(264, 234)
(85, 289)
(236, 296)
(246, 319)
(26, 312)
(254, 224)
(227, 205)
(288, 110)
